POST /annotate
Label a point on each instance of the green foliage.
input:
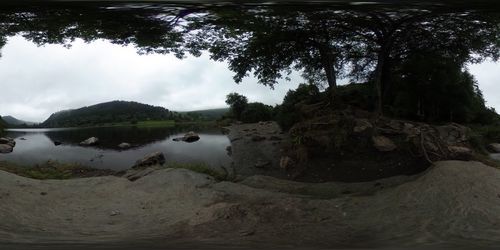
(256, 111)
(487, 133)
(287, 113)
(434, 89)
(207, 115)
(238, 104)
(110, 113)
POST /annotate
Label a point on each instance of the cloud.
(488, 76)
(37, 81)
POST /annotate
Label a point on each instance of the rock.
(459, 150)
(114, 213)
(4, 148)
(262, 164)
(156, 158)
(258, 138)
(90, 141)
(124, 145)
(135, 174)
(22, 139)
(383, 144)
(362, 125)
(229, 150)
(57, 143)
(453, 133)
(189, 137)
(494, 147)
(225, 130)
(286, 162)
(8, 141)
(262, 123)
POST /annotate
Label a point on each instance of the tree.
(256, 112)
(238, 104)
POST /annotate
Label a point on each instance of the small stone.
(362, 125)
(114, 213)
(124, 145)
(383, 144)
(43, 193)
(247, 232)
(262, 164)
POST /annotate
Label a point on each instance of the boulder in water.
(124, 145)
(90, 141)
(189, 137)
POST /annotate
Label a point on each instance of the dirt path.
(452, 203)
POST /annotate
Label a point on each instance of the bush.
(256, 111)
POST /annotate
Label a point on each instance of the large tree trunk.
(377, 81)
(328, 62)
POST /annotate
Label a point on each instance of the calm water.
(38, 146)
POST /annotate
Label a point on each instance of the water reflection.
(39, 147)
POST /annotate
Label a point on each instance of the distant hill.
(207, 114)
(107, 113)
(3, 124)
(10, 120)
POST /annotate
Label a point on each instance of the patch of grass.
(202, 168)
(53, 170)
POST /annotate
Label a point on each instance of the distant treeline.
(123, 112)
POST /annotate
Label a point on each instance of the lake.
(35, 146)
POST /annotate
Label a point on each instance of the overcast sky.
(37, 81)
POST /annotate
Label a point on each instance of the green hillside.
(109, 113)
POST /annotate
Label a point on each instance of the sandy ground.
(453, 203)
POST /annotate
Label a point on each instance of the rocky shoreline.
(453, 203)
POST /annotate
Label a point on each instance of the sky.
(38, 81)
